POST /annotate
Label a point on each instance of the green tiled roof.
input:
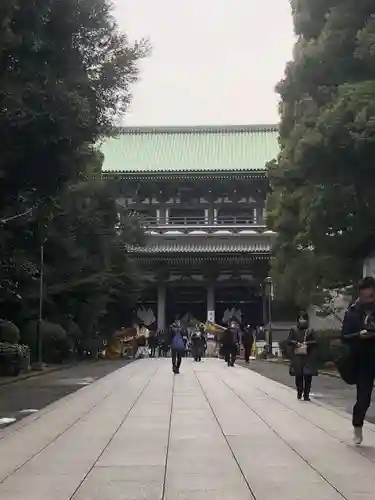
(191, 149)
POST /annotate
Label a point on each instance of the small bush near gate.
(285, 352)
(328, 343)
(56, 344)
(9, 332)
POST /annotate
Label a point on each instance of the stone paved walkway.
(212, 433)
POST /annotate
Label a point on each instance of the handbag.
(302, 350)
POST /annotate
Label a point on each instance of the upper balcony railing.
(229, 221)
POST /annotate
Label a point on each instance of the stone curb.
(328, 373)
(34, 374)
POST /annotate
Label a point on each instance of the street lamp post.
(269, 287)
(39, 334)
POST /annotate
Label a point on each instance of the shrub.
(9, 332)
(327, 340)
(55, 342)
(285, 351)
(72, 329)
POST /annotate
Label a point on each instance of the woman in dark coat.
(198, 345)
(302, 342)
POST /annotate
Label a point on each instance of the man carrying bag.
(177, 347)
(357, 365)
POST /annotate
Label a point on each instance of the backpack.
(178, 341)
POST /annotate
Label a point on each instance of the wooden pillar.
(259, 211)
(210, 215)
(215, 212)
(211, 302)
(161, 306)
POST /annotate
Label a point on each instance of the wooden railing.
(235, 221)
(197, 221)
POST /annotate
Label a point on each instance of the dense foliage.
(65, 79)
(323, 182)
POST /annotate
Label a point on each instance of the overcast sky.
(213, 61)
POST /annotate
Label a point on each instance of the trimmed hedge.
(9, 332)
(56, 343)
(327, 340)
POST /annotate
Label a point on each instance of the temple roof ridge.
(190, 129)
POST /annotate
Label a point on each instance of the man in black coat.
(230, 343)
(358, 332)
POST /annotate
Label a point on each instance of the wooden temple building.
(200, 194)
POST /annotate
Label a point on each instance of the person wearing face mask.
(230, 343)
(302, 342)
(358, 333)
(177, 345)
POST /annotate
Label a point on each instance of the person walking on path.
(247, 342)
(152, 343)
(177, 347)
(358, 333)
(163, 344)
(302, 342)
(230, 343)
(198, 344)
(160, 341)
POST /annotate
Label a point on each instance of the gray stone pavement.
(327, 389)
(212, 433)
(19, 398)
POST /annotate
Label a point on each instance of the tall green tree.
(66, 71)
(323, 181)
(87, 263)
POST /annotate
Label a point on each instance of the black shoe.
(299, 395)
(306, 398)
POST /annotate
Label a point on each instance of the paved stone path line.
(35, 434)
(274, 470)
(168, 441)
(210, 433)
(324, 479)
(226, 438)
(137, 398)
(327, 448)
(36, 393)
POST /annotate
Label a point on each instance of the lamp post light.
(269, 288)
(39, 334)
